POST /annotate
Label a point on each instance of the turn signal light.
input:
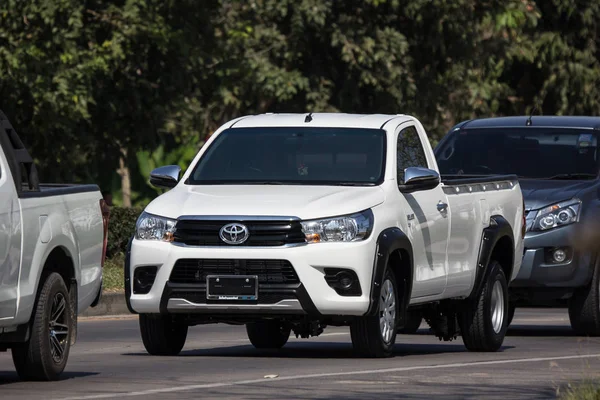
(313, 238)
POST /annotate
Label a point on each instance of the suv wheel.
(162, 335)
(484, 321)
(268, 334)
(44, 356)
(375, 336)
(584, 307)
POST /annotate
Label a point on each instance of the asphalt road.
(539, 355)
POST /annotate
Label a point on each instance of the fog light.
(559, 255)
(143, 279)
(343, 281)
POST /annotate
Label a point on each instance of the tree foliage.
(99, 86)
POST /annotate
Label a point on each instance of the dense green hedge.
(121, 228)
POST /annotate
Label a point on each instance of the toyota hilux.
(295, 222)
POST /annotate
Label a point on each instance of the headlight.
(348, 228)
(153, 227)
(556, 215)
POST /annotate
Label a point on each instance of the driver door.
(427, 218)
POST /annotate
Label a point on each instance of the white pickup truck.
(295, 222)
(52, 246)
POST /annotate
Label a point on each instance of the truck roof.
(334, 120)
(580, 122)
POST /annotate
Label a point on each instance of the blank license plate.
(237, 287)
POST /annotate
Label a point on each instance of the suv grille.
(268, 271)
(261, 233)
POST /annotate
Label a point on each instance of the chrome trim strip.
(238, 218)
(478, 187)
(182, 304)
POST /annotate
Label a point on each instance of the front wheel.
(584, 307)
(484, 321)
(375, 336)
(44, 356)
(162, 335)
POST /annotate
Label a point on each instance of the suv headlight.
(153, 227)
(559, 214)
(347, 228)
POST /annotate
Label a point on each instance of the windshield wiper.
(578, 175)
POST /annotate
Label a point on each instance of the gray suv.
(557, 162)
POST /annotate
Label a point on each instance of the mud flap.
(74, 304)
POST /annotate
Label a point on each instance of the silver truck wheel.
(483, 321)
(375, 336)
(45, 355)
(162, 335)
(584, 306)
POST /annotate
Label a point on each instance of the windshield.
(540, 153)
(290, 155)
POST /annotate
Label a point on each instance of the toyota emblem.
(234, 233)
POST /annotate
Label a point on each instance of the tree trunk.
(125, 178)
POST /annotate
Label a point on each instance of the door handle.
(441, 206)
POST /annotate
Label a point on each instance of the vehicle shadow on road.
(318, 350)
(9, 377)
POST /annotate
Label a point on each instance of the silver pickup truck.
(52, 245)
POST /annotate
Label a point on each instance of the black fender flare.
(127, 273)
(499, 228)
(388, 241)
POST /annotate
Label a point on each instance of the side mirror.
(417, 178)
(165, 177)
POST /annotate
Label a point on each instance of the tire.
(511, 312)
(584, 307)
(44, 356)
(413, 322)
(268, 334)
(162, 335)
(369, 337)
(482, 328)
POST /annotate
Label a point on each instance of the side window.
(409, 151)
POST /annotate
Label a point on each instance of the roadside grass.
(113, 279)
(586, 390)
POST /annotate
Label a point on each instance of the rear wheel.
(162, 335)
(268, 334)
(375, 336)
(44, 356)
(484, 321)
(584, 307)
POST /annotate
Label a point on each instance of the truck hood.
(304, 202)
(542, 193)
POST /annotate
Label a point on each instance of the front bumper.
(539, 272)
(312, 295)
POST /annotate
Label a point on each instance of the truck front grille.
(261, 233)
(268, 271)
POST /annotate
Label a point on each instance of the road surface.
(539, 355)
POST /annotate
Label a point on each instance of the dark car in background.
(557, 162)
